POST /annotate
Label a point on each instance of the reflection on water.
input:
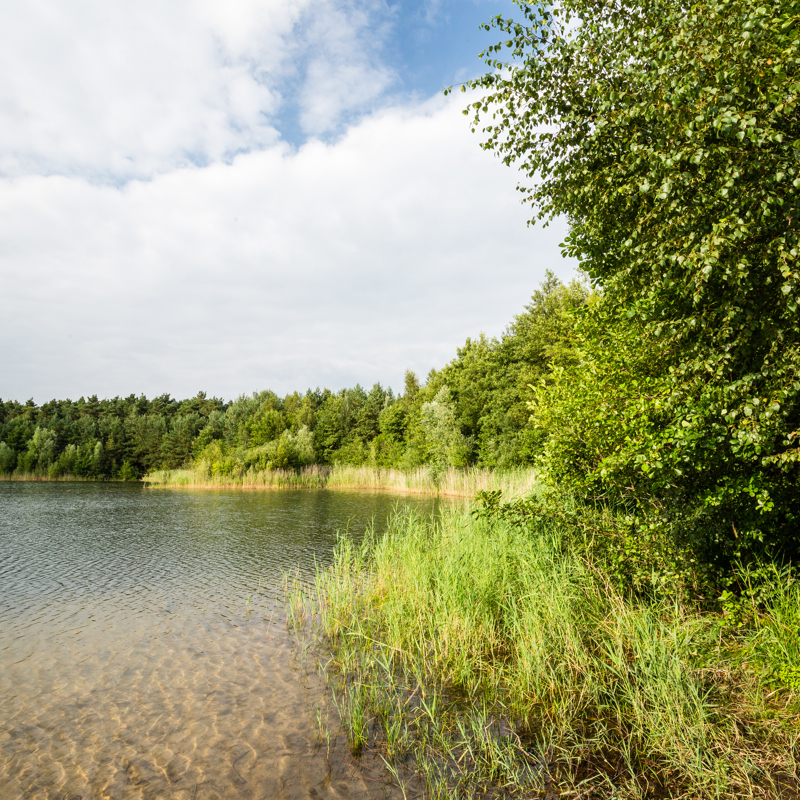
(143, 646)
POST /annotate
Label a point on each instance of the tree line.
(473, 411)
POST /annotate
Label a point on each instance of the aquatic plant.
(495, 658)
(466, 482)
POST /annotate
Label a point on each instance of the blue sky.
(248, 195)
(425, 46)
(436, 44)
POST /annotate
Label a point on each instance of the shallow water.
(143, 643)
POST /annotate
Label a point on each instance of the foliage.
(447, 445)
(489, 379)
(100, 439)
(8, 459)
(127, 472)
(41, 450)
(667, 135)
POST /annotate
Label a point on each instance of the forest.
(473, 411)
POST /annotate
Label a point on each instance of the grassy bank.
(495, 661)
(459, 482)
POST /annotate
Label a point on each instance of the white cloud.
(114, 91)
(157, 235)
(341, 262)
(344, 71)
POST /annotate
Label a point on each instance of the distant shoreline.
(250, 488)
(29, 478)
(516, 482)
(452, 482)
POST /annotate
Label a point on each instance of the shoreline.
(242, 487)
(467, 483)
(452, 482)
(60, 479)
(336, 487)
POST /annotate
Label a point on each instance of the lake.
(143, 643)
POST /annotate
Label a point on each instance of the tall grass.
(38, 476)
(461, 482)
(499, 662)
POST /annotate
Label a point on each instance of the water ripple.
(142, 650)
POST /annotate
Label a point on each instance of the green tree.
(447, 445)
(145, 434)
(8, 459)
(41, 450)
(366, 426)
(17, 432)
(176, 444)
(489, 379)
(667, 134)
(303, 442)
(330, 429)
(65, 463)
(127, 472)
(300, 410)
(214, 430)
(269, 424)
(410, 386)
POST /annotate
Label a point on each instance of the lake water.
(144, 650)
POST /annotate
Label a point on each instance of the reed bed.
(495, 661)
(456, 482)
(35, 476)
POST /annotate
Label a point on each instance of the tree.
(269, 424)
(489, 379)
(176, 444)
(8, 459)
(447, 445)
(667, 134)
(41, 450)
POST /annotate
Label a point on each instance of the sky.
(249, 195)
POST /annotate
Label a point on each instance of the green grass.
(460, 482)
(495, 661)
